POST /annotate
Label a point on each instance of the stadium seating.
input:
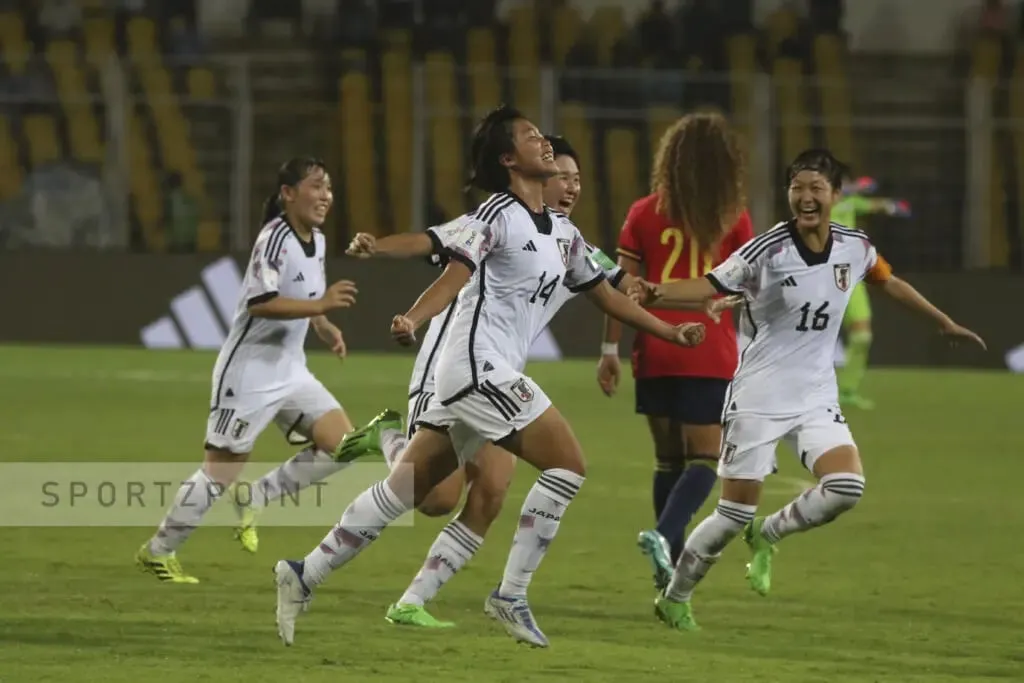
(98, 33)
(447, 159)
(834, 97)
(574, 124)
(17, 49)
(83, 127)
(741, 54)
(11, 174)
(607, 26)
(659, 119)
(43, 139)
(482, 69)
(622, 172)
(397, 112)
(564, 30)
(986, 61)
(794, 129)
(1017, 113)
(524, 58)
(358, 149)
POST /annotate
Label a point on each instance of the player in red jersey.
(693, 220)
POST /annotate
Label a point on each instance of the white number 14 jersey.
(796, 299)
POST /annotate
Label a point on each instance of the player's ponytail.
(272, 208)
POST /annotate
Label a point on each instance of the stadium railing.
(395, 128)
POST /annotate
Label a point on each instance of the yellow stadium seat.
(145, 188)
(484, 79)
(202, 85)
(397, 96)
(44, 145)
(622, 171)
(795, 123)
(835, 97)
(524, 59)
(659, 120)
(608, 26)
(142, 40)
(358, 152)
(14, 42)
(781, 25)
(83, 128)
(11, 175)
(986, 58)
(445, 133)
(1017, 113)
(575, 126)
(99, 40)
(565, 29)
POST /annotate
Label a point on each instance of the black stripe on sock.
(558, 486)
(381, 499)
(460, 539)
(734, 515)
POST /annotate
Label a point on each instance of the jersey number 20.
(544, 289)
(818, 319)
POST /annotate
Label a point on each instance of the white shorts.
(749, 441)
(426, 410)
(501, 402)
(237, 421)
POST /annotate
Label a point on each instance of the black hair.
(822, 161)
(492, 139)
(561, 148)
(291, 173)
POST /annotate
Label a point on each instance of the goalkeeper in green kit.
(857, 322)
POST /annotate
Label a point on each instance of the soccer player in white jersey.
(487, 469)
(797, 279)
(512, 257)
(260, 375)
(489, 473)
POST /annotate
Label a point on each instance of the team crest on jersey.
(239, 429)
(521, 388)
(563, 248)
(842, 275)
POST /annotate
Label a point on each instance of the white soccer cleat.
(293, 597)
(515, 616)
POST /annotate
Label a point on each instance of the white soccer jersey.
(521, 262)
(796, 300)
(422, 380)
(260, 354)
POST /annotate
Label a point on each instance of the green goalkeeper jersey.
(846, 210)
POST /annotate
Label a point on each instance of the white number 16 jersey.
(790, 325)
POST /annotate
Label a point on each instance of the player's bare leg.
(194, 498)
(427, 462)
(736, 508)
(490, 476)
(547, 443)
(312, 464)
(840, 486)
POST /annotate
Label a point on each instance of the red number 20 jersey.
(667, 254)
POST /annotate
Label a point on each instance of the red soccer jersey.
(667, 254)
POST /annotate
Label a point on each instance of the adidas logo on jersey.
(299, 278)
(530, 246)
(201, 315)
(789, 282)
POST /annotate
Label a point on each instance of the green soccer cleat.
(655, 548)
(414, 615)
(365, 440)
(164, 567)
(245, 532)
(678, 615)
(759, 570)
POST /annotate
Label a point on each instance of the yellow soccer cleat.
(164, 567)
(245, 532)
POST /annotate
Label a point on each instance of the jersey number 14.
(818, 318)
(544, 289)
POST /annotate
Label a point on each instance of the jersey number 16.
(818, 319)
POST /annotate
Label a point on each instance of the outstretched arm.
(903, 292)
(622, 308)
(405, 245)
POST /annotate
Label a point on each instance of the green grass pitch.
(922, 582)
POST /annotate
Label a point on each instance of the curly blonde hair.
(698, 175)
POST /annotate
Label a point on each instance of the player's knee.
(842, 492)
(483, 505)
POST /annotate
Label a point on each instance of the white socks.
(705, 544)
(196, 495)
(538, 523)
(834, 495)
(454, 547)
